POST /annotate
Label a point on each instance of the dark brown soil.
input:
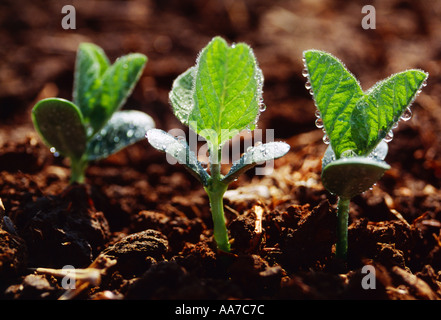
(146, 225)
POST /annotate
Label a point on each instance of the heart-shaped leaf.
(354, 120)
(179, 150)
(100, 89)
(123, 129)
(254, 156)
(60, 124)
(382, 106)
(181, 95)
(222, 94)
(90, 65)
(336, 92)
(114, 87)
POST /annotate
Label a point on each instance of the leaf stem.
(78, 168)
(216, 190)
(341, 247)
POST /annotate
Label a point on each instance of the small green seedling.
(92, 127)
(218, 98)
(357, 125)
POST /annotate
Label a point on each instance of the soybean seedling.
(357, 125)
(91, 127)
(218, 98)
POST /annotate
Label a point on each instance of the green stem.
(220, 231)
(216, 190)
(341, 247)
(78, 169)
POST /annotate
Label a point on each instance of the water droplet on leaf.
(348, 154)
(407, 115)
(308, 85)
(326, 139)
(319, 123)
(389, 136)
(305, 72)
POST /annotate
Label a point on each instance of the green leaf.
(356, 121)
(123, 129)
(90, 65)
(348, 177)
(114, 87)
(352, 175)
(181, 95)
(378, 110)
(222, 94)
(179, 150)
(254, 156)
(336, 92)
(60, 124)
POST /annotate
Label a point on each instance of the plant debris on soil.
(141, 228)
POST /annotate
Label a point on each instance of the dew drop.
(395, 125)
(55, 152)
(407, 115)
(308, 85)
(305, 72)
(389, 136)
(130, 133)
(319, 123)
(311, 92)
(249, 148)
(326, 139)
(317, 113)
(348, 154)
(116, 139)
(262, 107)
(424, 84)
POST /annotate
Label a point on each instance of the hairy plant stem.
(216, 190)
(78, 168)
(341, 247)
